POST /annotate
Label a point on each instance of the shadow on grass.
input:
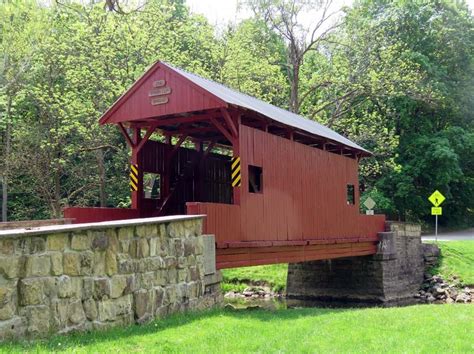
(82, 339)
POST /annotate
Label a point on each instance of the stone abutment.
(58, 279)
(390, 277)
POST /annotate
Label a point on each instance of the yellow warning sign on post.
(436, 198)
(133, 178)
(436, 211)
(235, 170)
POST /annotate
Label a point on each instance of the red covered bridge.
(275, 187)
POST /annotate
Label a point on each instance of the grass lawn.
(457, 258)
(420, 329)
(237, 279)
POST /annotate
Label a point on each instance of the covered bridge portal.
(275, 187)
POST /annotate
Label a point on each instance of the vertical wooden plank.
(280, 206)
(244, 158)
(270, 191)
(260, 224)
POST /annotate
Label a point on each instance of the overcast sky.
(220, 12)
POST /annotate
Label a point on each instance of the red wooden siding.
(302, 212)
(304, 191)
(84, 215)
(184, 97)
(225, 221)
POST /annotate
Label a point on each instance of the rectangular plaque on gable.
(159, 100)
(159, 83)
(158, 91)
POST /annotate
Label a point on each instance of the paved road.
(452, 236)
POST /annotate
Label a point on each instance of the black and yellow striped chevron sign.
(236, 178)
(134, 178)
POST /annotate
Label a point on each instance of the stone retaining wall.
(9, 225)
(58, 279)
(392, 276)
(431, 255)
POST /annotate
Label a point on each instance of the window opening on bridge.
(255, 179)
(350, 194)
(151, 185)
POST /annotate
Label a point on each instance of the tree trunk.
(56, 204)
(4, 198)
(294, 88)
(295, 64)
(7, 159)
(102, 192)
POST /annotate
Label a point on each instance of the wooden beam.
(180, 141)
(236, 152)
(224, 131)
(290, 134)
(173, 119)
(137, 196)
(230, 123)
(189, 131)
(209, 148)
(147, 136)
(125, 134)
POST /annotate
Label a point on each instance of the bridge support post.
(390, 277)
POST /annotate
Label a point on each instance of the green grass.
(274, 275)
(457, 258)
(416, 329)
(233, 286)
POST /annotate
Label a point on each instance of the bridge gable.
(161, 91)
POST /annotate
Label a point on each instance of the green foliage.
(403, 71)
(424, 328)
(383, 204)
(262, 78)
(234, 286)
(456, 259)
(84, 59)
(237, 279)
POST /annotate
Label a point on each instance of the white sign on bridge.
(369, 204)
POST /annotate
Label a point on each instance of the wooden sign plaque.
(159, 83)
(158, 91)
(159, 100)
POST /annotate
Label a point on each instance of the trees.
(20, 28)
(432, 125)
(284, 17)
(251, 58)
(85, 59)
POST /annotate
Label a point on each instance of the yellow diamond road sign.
(436, 198)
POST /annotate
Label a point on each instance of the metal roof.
(275, 113)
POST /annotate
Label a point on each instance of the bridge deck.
(235, 249)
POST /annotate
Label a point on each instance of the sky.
(221, 12)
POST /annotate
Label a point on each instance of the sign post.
(436, 199)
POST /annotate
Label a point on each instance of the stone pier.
(57, 279)
(391, 277)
